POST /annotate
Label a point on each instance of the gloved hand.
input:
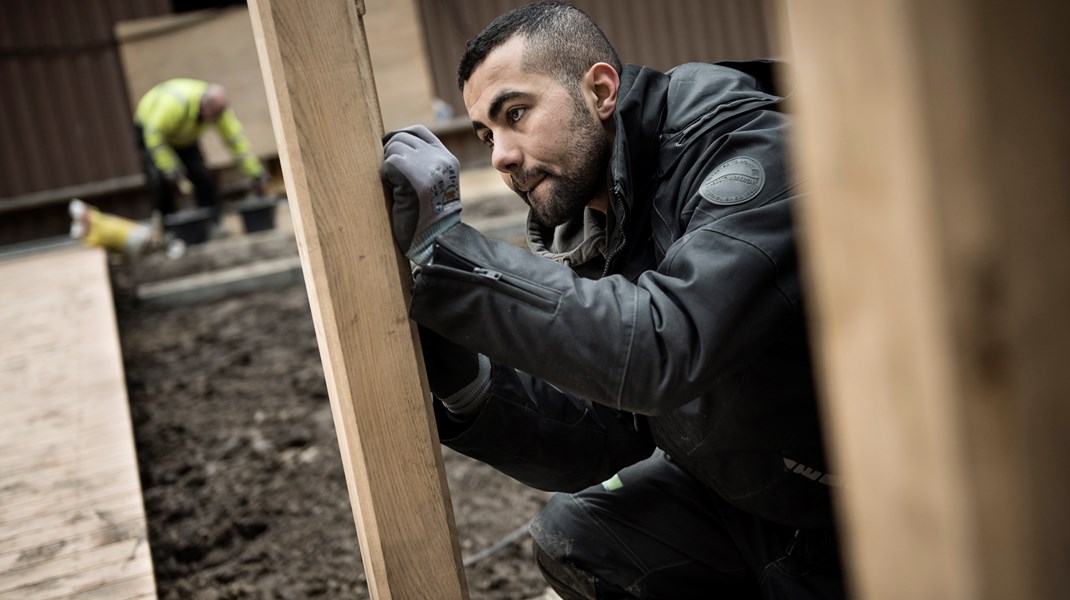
(449, 366)
(183, 185)
(422, 177)
(458, 377)
(259, 184)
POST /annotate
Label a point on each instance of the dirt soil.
(243, 482)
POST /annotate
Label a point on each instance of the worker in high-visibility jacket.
(169, 121)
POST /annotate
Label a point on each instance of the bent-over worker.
(169, 121)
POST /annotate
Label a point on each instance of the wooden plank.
(78, 563)
(71, 516)
(40, 529)
(69, 499)
(52, 406)
(53, 483)
(44, 433)
(82, 526)
(324, 108)
(935, 139)
(46, 459)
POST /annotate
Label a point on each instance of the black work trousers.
(663, 534)
(161, 190)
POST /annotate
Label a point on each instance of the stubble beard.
(585, 161)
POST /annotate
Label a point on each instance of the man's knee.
(555, 535)
(570, 582)
(571, 549)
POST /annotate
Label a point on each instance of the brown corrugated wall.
(64, 113)
(656, 33)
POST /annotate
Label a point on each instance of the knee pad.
(570, 582)
(565, 540)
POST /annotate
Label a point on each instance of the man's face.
(547, 144)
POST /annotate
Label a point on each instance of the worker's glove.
(422, 177)
(183, 185)
(259, 184)
(458, 377)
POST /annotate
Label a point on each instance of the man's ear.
(602, 82)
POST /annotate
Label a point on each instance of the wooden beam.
(935, 138)
(323, 105)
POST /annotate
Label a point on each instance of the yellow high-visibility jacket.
(169, 115)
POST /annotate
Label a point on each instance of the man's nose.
(506, 156)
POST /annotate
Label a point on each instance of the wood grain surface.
(72, 523)
(934, 138)
(317, 71)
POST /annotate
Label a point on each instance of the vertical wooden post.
(935, 138)
(317, 71)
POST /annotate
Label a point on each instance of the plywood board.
(72, 520)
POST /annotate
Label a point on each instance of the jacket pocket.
(450, 264)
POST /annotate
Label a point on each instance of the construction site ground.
(243, 483)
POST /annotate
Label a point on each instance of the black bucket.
(257, 213)
(190, 225)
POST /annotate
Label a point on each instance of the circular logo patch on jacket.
(734, 181)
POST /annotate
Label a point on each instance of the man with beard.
(649, 358)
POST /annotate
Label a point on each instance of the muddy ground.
(243, 483)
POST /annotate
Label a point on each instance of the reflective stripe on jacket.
(169, 115)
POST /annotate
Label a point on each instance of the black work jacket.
(692, 339)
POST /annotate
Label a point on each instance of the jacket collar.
(649, 141)
(633, 164)
(580, 243)
(589, 237)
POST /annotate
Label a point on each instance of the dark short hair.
(562, 42)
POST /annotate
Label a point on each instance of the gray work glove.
(457, 376)
(422, 177)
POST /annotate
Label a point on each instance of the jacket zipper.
(495, 275)
(531, 293)
(619, 206)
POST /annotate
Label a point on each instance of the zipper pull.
(495, 275)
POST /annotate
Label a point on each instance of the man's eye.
(514, 114)
(488, 140)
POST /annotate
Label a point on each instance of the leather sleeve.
(543, 437)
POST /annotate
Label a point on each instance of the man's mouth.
(526, 185)
(532, 187)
